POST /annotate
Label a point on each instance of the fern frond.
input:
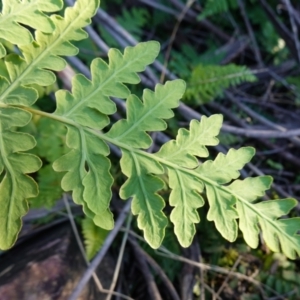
(141, 185)
(88, 175)
(94, 237)
(85, 112)
(15, 186)
(279, 234)
(187, 179)
(17, 72)
(88, 105)
(92, 98)
(193, 142)
(208, 81)
(147, 115)
(214, 7)
(186, 184)
(221, 171)
(15, 13)
(43, 55)
(227, 203)
(186, 188)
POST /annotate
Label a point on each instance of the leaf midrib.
(83, 156)
(138, 170)
(183, 202)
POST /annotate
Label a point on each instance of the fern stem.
(49, 115)
(164, 162)
(191, 172)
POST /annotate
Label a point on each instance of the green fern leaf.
(227, 203)
(208, 81)
(221, 171)
(19, 94)
(147, 115)
(222, 212)
(279, 234)
(18, 72)
(185, 187)
(85, 112)
(44, 55)
(94, 237)
(15, 186)
(30, 13)
(186, 184)
(191, 143)
(90, 102)
(146, 203)
(88, 175)
(186, 199)
(225, 167)
(88, 105)
(131, 133)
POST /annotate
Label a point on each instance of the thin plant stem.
(99, 257)
(228, 276)
(78, 240)
(172, 38)
(120, 258)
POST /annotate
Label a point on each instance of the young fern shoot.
(85, 112)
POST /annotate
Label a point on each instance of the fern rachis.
(85, 112)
